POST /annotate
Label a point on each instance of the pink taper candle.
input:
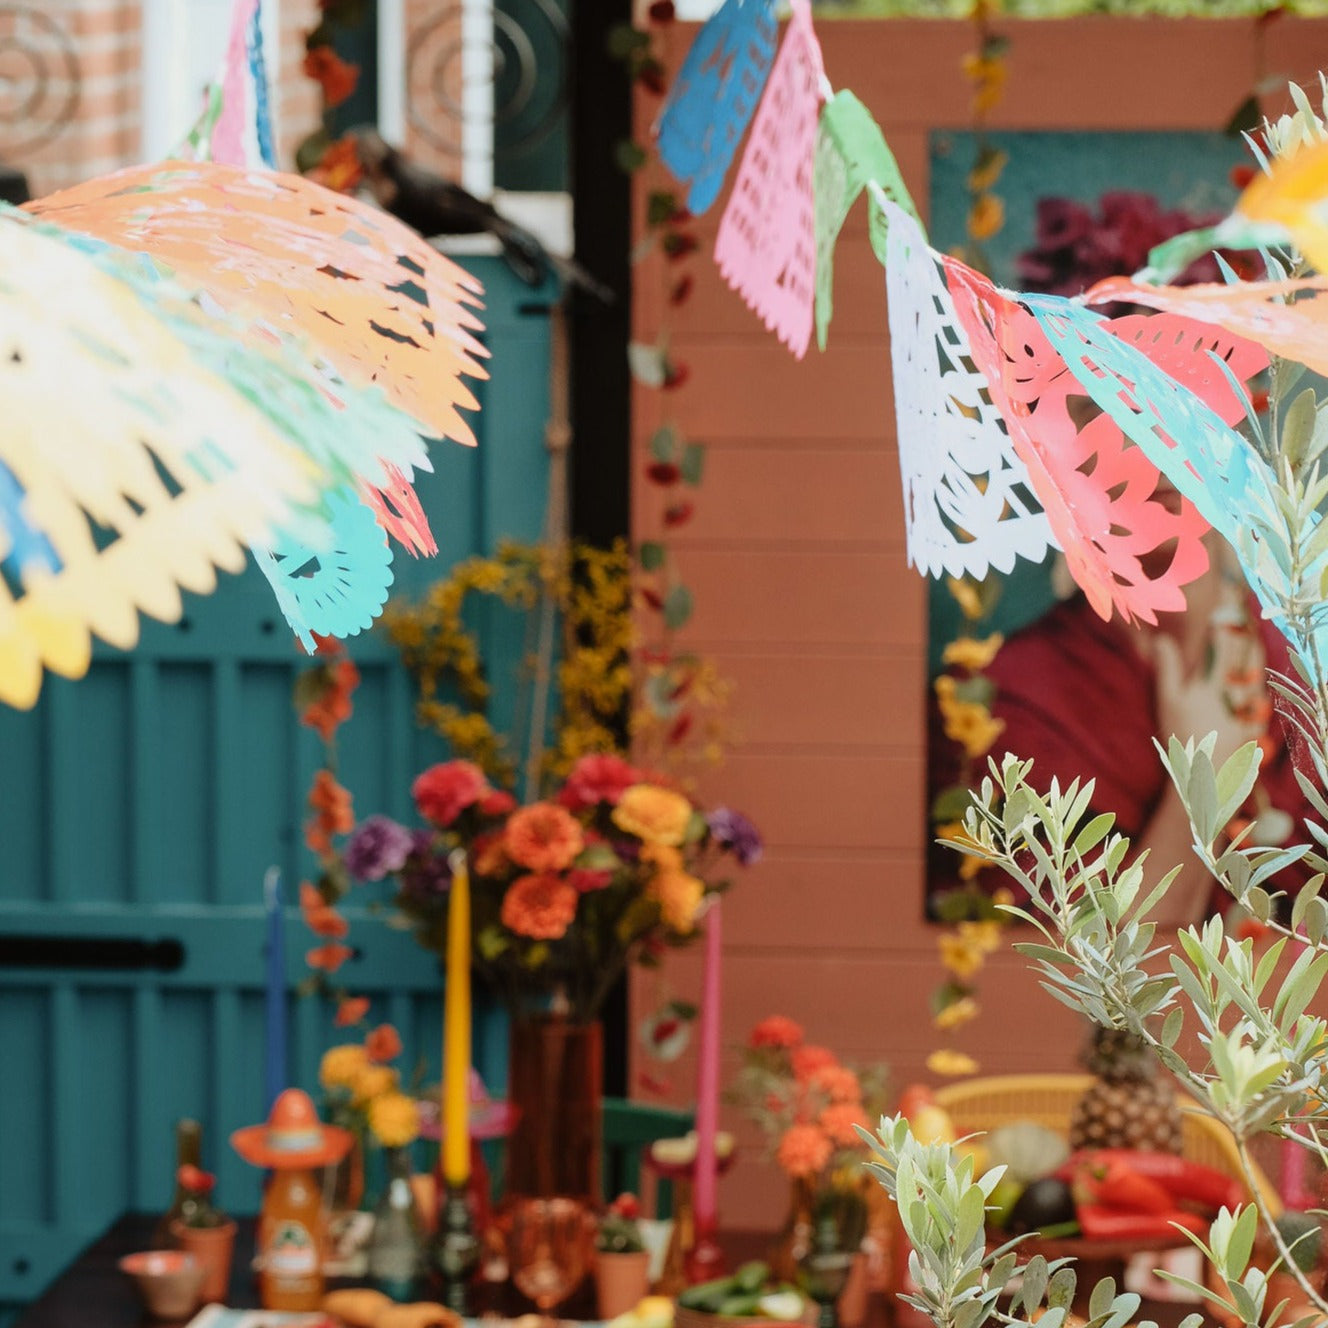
(707, 1084)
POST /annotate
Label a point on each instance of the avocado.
(1045, 1203)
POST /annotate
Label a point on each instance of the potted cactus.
(204, 1231)
(622, 1264)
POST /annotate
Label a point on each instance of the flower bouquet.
(807, 1105)
(612, 868)
(566, 891)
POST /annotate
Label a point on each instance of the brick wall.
(796, 559)
(92, 49)
(298, 102)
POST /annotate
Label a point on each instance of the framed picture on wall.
(1022, 662)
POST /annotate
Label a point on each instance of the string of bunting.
(974, 365)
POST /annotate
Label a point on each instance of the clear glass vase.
(396, 1248)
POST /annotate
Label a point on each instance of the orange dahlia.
(541, 907)
(543, 837)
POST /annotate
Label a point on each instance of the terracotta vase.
(213, 1248)
(555, 1082)
(622, 1281)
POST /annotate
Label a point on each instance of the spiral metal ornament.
(529, 93)
(40, 78)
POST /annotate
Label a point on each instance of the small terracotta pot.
(622, 1281)
(168, 1280)
(212, 1247)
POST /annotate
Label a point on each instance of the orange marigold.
(803, 1151)
(776, 1031)
(838, 1120)
(332, 803)
(319, 916)
(539, 906)
(544, 837)
(383, 1043)
(656, 815)
(329, 958)
(334, 75)
(806, 1061)
(837, 1082)
(351, 1010)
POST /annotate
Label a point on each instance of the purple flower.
(425, 875)
(377, 846)
(732, 830)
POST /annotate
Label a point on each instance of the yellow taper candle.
(456, 1028)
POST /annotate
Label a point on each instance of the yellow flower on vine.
(966, 596)
(985, 936)
(972, 654)
(968, 723)
(968, 652)
(986, 216)
(951, 1063)
(955, 1014)
(960, 955)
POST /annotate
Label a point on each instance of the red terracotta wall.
(796, 559)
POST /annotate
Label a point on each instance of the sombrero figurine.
(292, 1137)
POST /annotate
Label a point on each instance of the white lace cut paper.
(968, 505)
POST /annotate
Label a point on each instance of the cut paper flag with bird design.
(714, 96)
(155, 472)
(1189, 442)
(851, 152)
(967, 502)
(1129, 544)
(1261, 311)
(235, 126)
(766, 246)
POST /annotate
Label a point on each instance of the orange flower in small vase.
(803, 1151)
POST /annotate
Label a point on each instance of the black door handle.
(121, 954)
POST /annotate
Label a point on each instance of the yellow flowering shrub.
(342, 1066)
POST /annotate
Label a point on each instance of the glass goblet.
(547, 1249)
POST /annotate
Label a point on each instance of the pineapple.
(1128, 1107)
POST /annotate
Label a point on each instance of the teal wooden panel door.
(147, 800)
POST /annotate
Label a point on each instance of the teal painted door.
(146, 801)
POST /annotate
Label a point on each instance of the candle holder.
(704, 1261)
(457, 1250)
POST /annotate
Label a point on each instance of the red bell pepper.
(1098, 1223)
(1113, 1183)
(1183, 1180)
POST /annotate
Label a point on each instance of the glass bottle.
(396, 1246)
(290, 1242)
(188, 1152)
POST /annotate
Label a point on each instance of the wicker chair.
(982, 1105)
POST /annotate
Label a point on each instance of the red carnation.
(444, 791)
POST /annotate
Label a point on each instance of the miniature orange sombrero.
(292, 1137)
